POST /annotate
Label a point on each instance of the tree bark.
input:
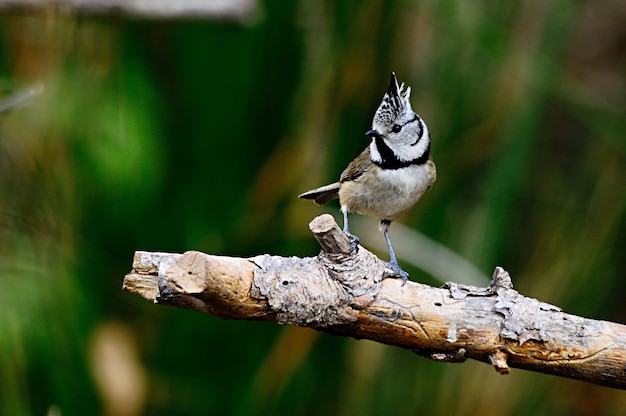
(344, 291)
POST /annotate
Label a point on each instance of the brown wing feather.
(357, 167)
(327, 193)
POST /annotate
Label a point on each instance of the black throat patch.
(391, 161)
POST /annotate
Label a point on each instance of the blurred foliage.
(172, 136)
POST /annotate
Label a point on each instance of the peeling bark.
(342, 291)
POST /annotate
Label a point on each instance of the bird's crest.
(395, 102)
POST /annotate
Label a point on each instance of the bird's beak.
(372, 133)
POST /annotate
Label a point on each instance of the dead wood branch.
(342, 291)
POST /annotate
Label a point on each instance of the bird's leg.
(384, 226)
(354, 240)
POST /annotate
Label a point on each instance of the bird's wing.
(357, 167)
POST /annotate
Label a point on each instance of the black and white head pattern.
(395, 103)
(399, 136)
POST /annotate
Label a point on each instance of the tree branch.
(342, 291)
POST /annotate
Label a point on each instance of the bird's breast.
(387, 193)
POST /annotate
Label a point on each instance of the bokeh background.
(126, 133)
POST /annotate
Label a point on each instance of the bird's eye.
(396, 128)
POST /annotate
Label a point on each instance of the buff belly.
(387, 194)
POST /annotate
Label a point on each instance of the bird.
(391, 175)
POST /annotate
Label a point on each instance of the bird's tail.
(322, 195)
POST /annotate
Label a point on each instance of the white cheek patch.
(423, 131)
(374, 153)
(406, 152)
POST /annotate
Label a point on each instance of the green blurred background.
(173, 135)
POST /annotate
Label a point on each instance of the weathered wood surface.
(342, 291)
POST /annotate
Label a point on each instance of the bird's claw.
(354, 240)
(397, 272)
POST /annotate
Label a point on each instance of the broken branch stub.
(342, 291)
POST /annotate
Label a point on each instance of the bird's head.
(397, 124)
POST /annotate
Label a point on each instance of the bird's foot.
(354, 240)
(397, 271)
